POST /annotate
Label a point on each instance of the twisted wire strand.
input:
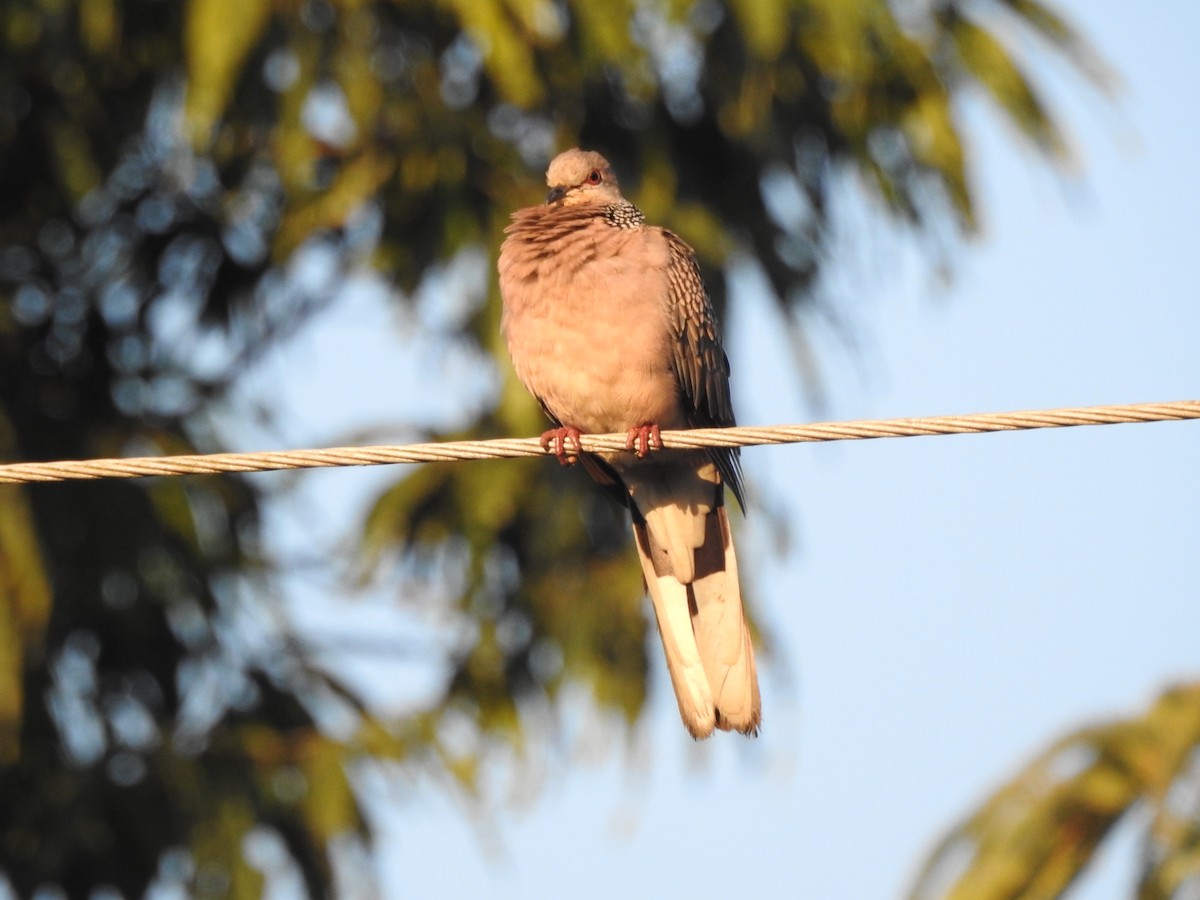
(507, 448)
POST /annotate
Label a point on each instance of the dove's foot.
(558, 439)
(643, 439)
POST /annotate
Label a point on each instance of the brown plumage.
(610, 327)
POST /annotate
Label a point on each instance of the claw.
(556, 440)
(642, 439)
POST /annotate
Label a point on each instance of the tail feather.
(689, 677)
(698, 605)
(722, 637)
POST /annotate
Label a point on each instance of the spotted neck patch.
(624, 215)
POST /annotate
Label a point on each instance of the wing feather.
(699, 359)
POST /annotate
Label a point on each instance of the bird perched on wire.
(609, 326)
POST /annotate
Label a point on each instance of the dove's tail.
(688, 560)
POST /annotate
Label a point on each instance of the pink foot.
(643, 439)
(558, 439)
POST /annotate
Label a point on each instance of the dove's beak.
(555, 194)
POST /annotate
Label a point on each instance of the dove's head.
(581, 176)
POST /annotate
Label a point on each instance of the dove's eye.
(594, 177)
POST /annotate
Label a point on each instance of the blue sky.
(947, 606)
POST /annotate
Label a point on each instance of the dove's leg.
(559, 439)
(643, 439)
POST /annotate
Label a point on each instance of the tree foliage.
(161, 167)
(1036, 834)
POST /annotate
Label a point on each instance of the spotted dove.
(609, 326)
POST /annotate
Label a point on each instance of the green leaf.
(764, 23)
(330, 807)
(505, 43)
(986, 58)
(24, 609)
(218, 37)
(1063, 36)
(221, 867)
